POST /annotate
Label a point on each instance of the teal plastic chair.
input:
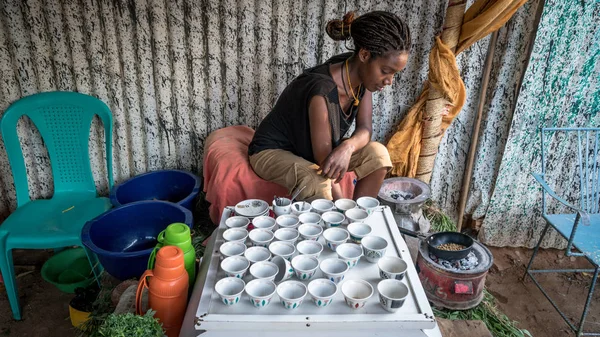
(64, 121)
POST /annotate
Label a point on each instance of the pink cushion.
(229, 178)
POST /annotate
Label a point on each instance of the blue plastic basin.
(124, 237)
(180, 187)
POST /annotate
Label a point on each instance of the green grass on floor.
(487, 311)
(102, 307)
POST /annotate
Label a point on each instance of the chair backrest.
(64, 120)
(572, 155)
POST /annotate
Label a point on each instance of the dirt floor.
(46, 313)
(525, 303)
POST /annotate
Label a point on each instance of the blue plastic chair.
(580, 225)
(64, 121)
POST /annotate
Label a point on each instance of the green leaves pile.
(498, 324)
(130, 325)
(102, 307)
(440, 222)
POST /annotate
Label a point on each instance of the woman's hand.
(336, 164)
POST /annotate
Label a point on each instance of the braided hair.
(378, 32)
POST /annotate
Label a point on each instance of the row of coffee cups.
(392, 292)
(263, 237)
(235, 237)
(286, 238)
(328, 219)
(285, 206)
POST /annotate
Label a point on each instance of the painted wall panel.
(174, 71)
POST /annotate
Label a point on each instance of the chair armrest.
(585, 217)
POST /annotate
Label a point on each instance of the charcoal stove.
(447, 285)
(405, 196)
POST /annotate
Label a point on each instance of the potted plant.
(131, 325)
(81, 305)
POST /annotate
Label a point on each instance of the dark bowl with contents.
(450, 245)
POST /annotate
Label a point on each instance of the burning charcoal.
(467, 263)
(433, 257)
(401, 195)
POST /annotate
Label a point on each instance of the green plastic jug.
(178, 234)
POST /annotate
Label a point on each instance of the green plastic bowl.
(68, 270)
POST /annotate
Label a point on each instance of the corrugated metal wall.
(561, 88)
(173, 71)
(509, 63)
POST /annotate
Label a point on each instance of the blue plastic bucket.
(124, 237)
(176, 186)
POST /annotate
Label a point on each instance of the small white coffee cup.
(335, 237)
(288, 221)
(392, 267)
(235, 235)
(342, 205)
(305, 266)
(264, 270)
(374, 247)
(284, 206)
(356, 293)
(230, 290)
(260, 292)
(322, 291)
(291, 293)
(322, 205)
(310, 218)
(237, 221)
(264, 222)
(228, 249)
(261, 237)
(392, 294)
(310, 231)
(283, 249)
(290, 235)
(285, 268)
(369, 204)
(333, 219)
(356, 215)
(349, 253)
(309, 248)
(301, 207)
(358, 231)
(257, 254)
(334, 269)
(235, 266)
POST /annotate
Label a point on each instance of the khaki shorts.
(291, 171)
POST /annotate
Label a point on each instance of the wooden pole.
(432, 117)
(464, 193)
(453, 23)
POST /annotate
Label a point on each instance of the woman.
(300, 142)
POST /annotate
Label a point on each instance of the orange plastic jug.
(167, 289)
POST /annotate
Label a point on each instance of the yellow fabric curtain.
(482, 18)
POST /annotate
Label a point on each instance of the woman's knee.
(376, 150)
(317, 186)
(373, 157)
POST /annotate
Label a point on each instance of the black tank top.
(287, 126)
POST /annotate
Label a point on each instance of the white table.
(208, 316)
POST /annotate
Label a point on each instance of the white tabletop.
(206, 313)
